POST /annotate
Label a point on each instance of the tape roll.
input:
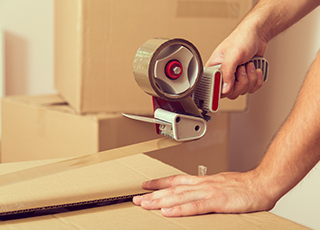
(168, 68)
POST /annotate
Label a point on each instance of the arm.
(292, 154)
(266, 20)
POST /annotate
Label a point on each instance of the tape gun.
(183, 91)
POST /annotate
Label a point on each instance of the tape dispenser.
(183, 91)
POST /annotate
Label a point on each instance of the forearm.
(271, 17)
(296, 148)
(292, 154)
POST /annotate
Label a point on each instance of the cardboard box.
(96, 41)
(46, 127)
(111, 179)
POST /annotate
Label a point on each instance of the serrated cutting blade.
(147, 119)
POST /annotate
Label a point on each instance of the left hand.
(185, 195)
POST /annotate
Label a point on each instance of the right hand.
(237, 49)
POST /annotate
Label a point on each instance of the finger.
(171, 181)
(170, 190)
(160, 193)
(228, 80)
(252, 75)
(241, 84)
(259, 82)
(217, 58)
(175, 199)
(189, 209)
(228, 68)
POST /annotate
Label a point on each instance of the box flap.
(81, 179)
(113, 178)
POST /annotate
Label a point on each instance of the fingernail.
(146, 201)
(252, 68)
(166, 210)
(137, 199)
(146, 183)
(243, 70)
(225, 87)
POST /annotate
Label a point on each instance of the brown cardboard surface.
(120, 176)
(46, 127)
(96, 41)
(103, 179)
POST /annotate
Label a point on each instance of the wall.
(28, 44)
(290, 55)
(1, 62)
(28, 27)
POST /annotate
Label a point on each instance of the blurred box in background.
(45, 127)
(96, 41)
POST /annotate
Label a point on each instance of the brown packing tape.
(86, 160)
(190, 107)
(208, 9)
(145, 61)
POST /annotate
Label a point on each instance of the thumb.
(228, 68)
(228, 72)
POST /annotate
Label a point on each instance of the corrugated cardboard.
(46, 127)
(109, 179)
(96, 41)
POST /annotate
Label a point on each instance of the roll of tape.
(168, 68)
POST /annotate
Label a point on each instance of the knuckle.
(147, 197)
(174, 179)
(197, 206)
(181, 179)
(181, 197)
(192, 179)
(172, 190)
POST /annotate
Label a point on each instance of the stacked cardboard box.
(44, 127)
(95, 43)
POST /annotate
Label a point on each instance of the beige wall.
(28, 43)
(28, 29)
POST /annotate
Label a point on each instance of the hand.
(185, 195)
(237, 49)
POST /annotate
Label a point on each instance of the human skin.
(266, 20)
(291, 155)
